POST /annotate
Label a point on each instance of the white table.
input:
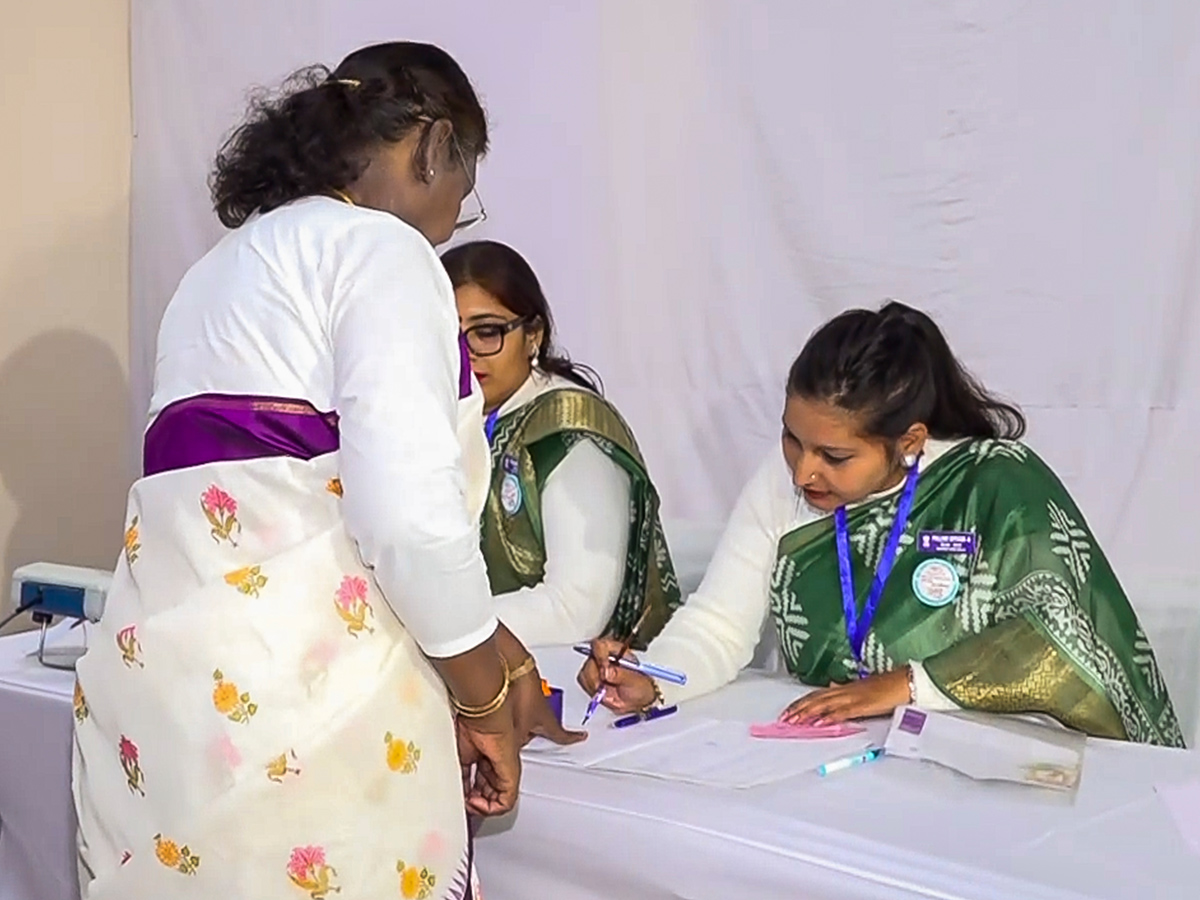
(37, 818)
(893, 829)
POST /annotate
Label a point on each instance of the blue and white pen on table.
(849, 762)
(660, 672)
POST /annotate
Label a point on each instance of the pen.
(598, 697)
(848, 762)
(594, 704)
(646, 716)
(661, 672)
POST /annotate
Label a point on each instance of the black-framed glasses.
(488, 339)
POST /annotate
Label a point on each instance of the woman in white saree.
(268, 706)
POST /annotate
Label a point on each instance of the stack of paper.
(989, 747)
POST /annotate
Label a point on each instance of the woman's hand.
(626, 691)
(531, 710)
(533, 716)
(491, 762)
(875, 695)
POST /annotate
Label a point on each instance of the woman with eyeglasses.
(908, 548)
(571, 532)
(299, 669)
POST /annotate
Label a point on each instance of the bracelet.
(523, 669)
(912, 684)
(656, 702)
(479, 712)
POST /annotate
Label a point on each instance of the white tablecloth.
(37, 818)
(893, 829)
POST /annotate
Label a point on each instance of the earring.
(431, 173)
(910, 460)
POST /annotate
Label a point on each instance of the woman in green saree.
(570, 532)
(910, 550)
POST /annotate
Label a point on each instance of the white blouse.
(712, 637)
(350, 309)
(585, 524)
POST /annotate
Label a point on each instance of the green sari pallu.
(1037, 623)
(527, 445)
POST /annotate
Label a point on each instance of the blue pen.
(848, 762)
(660, 672)
(647, 716)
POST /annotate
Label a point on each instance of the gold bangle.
(658, 697)
(523, 669)
(479, 712)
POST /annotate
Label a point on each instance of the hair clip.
(349, 82)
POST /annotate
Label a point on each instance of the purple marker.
(593, 705)
(646, 716)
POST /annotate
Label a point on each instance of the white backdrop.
(700, 184)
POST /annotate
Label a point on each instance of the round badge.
(510, 494)
(935, 582)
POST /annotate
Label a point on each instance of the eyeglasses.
(471, 219)
(488, 339)
(474, 218)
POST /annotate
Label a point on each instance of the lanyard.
(857, 625)
(489, 424)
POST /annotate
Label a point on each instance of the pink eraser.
(784, 731)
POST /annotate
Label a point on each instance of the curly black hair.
(314, 134)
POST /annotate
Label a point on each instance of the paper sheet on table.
(702, 751)
(990, 748)
(604, 743)
(1183, 803)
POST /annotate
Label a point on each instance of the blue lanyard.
(489, 424)
(857, 625)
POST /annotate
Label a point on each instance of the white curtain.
(700, 184)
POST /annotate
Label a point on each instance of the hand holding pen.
(618, 688)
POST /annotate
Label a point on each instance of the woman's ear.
(533, 338)
(433, 146)
(912, 442)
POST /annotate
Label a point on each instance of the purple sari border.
(210, 428)
(464, 368)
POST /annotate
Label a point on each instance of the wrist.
(527, 667)
(491, 707)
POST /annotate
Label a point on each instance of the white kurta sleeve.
(712, 636)
(396, 384)
(585, 522)
(926, 694)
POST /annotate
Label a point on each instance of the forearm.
(474, 678)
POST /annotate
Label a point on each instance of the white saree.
(246, 681)
(253, 721)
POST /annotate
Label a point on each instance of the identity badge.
(947, 542)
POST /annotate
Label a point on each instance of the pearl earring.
(431, 173)
(910, 460)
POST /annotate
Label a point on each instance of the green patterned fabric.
(1039, 624)
(528, 444)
